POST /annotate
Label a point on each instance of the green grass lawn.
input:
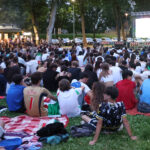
(119, 141)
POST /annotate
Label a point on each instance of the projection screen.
(142, 28)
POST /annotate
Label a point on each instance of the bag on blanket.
(11, 144)
(81, 130)
(55, 139)
(52, 129)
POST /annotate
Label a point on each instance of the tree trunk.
(117, 14)
(52, 22)
(83, 31)
(83, 23)
(35, 30)
(118, 24)
(122, 30)
(94, 32)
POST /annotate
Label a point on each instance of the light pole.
(73, 1)
(126, 14)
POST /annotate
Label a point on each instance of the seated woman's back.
(106, 75)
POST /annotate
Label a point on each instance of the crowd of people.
(108, 80)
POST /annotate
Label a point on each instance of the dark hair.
(15, 60)
(112, 92)
(36, 77)
(19, 54)
(64, 68)
(141, 58)
(132, 65)
(97, 65)
(89, 67)
(83, 75)
(17, 78)
(75, 63)
(111, 52)
(98, 89)
(124, 62)
(113, 63)
(138, 64)
(64, 85)
(53, 66)
(49, 62)
(126, 73)
(80, 53)
(29, 57)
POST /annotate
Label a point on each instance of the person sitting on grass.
(109, 116)
(144, 99)
(34, 96)
(3, 83)
(68, 99)
(14, 97)
(126, 89)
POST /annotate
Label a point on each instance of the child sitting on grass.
(15, 100)
(68, 99)
(109, 115)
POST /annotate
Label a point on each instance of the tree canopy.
(96, 16)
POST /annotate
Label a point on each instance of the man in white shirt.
(78, 49)
(31, 65)
(45, 56)
(116, 72)
(21, 60)
(80, 59)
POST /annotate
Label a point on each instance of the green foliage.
(99, 14)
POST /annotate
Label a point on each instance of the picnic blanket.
(29, 124)
(134, 112)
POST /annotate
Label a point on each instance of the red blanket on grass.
(29, 124)
(134, 112)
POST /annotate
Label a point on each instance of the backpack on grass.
(52, 129)
(81, 130)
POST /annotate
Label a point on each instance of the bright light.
(126, 14)
(73, 1)
(143, 28)
(27, 33)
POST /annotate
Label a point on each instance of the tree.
(54, 4)
(36, 10)
(118, 8)
(81, 6)
(94, 19)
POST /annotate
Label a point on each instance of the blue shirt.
(15, 97)
(145, 88)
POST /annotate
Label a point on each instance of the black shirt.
(49, 80)
(75, 73)
(92, 77)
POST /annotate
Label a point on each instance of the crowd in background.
(78, 75)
